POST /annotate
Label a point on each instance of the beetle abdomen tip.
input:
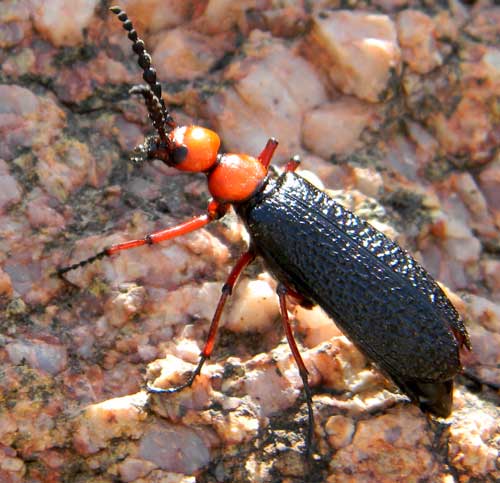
(433, 397)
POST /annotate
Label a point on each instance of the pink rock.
(283, 19)
(12, 469)
(5, 284)
(81, 80)
(26, 120)
(64, 167)
(340, 365)
(469, 448)
(287, 85)
(198, 301)
(484, 359)
(390, 4)
(15, 23)
(10, 192)
(480, 220)
(99, 423)
(29, 273)
(358, 51)
(41, 214)
(416, 32)
(467, 129)
(184, 54)
(471, 195)
(8, 428)
(485, 313)
(47, 19)
(223, 15)
(426, 144)
(316, 324)
(402, 156)
(123, 305)
(171, 372)
(131, 469)
(271, 392)
(85, 388)
(484, 23)
(335, 128)
(447, 24)
(253, 297)
(50, 358)
(368, 181)
(128, 133)
(406, 434)
(489, 181)
(174, 448)
(241, 424)
(491, 270)
(340, 431)
(154, 15)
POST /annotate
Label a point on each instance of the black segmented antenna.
(158, 113)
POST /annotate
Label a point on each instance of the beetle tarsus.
(188, 383)
(61, 271)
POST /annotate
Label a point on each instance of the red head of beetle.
(231, 177)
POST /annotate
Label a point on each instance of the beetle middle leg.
(282, 292)
(227, 290)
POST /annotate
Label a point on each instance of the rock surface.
(393, 104)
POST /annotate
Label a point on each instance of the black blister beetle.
(320, 253)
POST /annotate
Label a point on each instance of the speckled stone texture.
(393, 106)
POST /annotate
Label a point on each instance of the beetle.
(320, 253)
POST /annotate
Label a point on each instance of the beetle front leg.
(282, 292)
(227, 290)
(215, 211)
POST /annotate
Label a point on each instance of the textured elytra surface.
(375, 291)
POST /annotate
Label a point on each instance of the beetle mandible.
(319, 252)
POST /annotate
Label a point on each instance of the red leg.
(268, 151)
(300, 299)
(292, 164)
(282, 291)
(227, 290)
(215, 210)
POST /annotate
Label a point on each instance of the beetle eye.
(178, 154)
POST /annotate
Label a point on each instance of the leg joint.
(281, 289)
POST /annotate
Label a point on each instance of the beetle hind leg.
(304, 374)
